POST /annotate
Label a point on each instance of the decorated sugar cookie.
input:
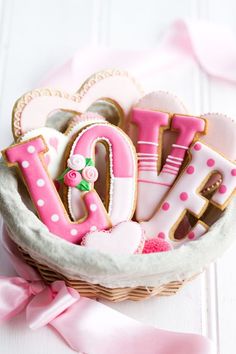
(153, 181)
(58, 143)
(33, 109)
(29, 157)
(121, 170)
(185, 194)
(124, 238)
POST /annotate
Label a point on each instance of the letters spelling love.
(164, 195)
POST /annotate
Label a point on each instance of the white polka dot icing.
(40, 182)
(31, 149)
(93, 207)
(73, 232)
(25, 164)
(40, 202)
(54, 217)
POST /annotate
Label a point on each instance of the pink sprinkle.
(165, 206)
(210, 162)
(156, 245)
(197, 147)
(183, 196)
(191, 235)
(222, 189)
(161, 235)
(190, 170)
(233, 172)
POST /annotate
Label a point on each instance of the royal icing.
(122, 169)
(154, 182)
(185, 194)
(29, 158)
(199, 229)
(114, 85)
(125, 238)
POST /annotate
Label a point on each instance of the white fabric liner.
(112, 271)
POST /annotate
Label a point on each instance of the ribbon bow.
(86, 325)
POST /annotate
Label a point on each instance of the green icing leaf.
(83, 186)
(89, 162)
(61, 177)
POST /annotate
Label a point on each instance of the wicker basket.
(112, 281)
(87, 289)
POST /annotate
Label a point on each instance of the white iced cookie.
(125, 238)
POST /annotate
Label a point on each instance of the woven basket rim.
(101, 292)
(147, 270)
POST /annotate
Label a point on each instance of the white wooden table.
(37, 35)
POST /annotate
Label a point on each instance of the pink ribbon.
(211, 46)
(86, 325)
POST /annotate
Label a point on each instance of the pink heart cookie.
(124, 238)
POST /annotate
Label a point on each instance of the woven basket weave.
(100, 292)
(112, 294)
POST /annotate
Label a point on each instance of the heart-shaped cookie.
(115, 86)
(124, 238)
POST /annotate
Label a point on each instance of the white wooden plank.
(180, 312)
(222, 99)
(139, 24)
(43, 34)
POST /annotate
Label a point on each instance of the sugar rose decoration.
(76, 162)
(80, 173)
(72, 178)
(90, 173)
